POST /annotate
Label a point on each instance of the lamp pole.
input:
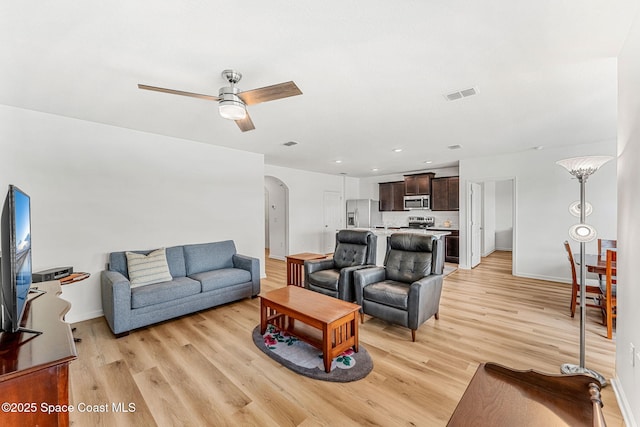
(583, 276)
(582, 168)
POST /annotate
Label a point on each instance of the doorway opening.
(276, 218)
(492, 219)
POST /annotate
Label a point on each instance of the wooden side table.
(295, 267)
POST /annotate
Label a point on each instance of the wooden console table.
(499, 396)
(34, 369)
(295, 267)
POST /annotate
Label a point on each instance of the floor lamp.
(582, 168)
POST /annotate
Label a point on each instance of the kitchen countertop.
(438, 232)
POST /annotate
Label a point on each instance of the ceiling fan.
(232, 103)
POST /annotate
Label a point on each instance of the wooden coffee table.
(333, 322)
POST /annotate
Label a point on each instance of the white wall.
(543, 192)
(504, 215)
(98, 188)
(306, 210)
(627, 331)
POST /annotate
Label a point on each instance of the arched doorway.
(276, 217)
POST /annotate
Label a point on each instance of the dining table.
(595, 263)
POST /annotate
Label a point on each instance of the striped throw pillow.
(148, 269)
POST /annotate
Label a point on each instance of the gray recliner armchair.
(355, 249)
(406, 291)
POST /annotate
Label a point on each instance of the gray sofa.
(204, 275)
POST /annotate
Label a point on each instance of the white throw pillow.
(148, 269)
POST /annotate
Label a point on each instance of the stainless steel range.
(421, 221)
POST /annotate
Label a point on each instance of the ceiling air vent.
(461, 94)
(290, 143)
(454, 147)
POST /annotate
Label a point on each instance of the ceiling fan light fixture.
(230, 105)
(232, 110)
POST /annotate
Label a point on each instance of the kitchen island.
(383, 233)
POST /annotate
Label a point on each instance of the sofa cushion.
(209, 256)
(388, 292)
(180, 287)
(175, 259)
(221, 278)
(148, 269)
(327, 279)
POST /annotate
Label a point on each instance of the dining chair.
(610, 291)
(604, 244)
(595, 292)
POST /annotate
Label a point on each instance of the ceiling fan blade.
(269, 93)
(245, 124)
(179, 92)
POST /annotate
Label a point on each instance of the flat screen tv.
(16, 257)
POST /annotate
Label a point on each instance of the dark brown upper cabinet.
(444, 194)
(391, 196)
(418, 185)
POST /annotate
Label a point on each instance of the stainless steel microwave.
(417, 202)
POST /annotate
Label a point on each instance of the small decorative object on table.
(74, 277)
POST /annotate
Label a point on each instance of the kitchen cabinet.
(444, 194)
(452, 247)
(418, 185)
(391, 196)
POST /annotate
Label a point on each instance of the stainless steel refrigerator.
(363, 213)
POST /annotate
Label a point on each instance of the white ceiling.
(373, 73)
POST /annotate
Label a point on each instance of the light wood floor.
(204, 369)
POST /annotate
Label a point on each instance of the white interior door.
(332, 220)
(476, 223)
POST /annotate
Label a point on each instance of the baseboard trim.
(623, 403)
(593, 282)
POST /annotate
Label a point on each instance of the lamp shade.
(232, 110)
(582, 233)
(583, 166)
(574, 209)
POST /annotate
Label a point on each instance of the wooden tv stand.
(34, 369)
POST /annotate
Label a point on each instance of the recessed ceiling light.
(538, 147)
(454, 147)
(397, 150)
(338, 161)
(428, 162)
(374, 170)
(290, 143)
